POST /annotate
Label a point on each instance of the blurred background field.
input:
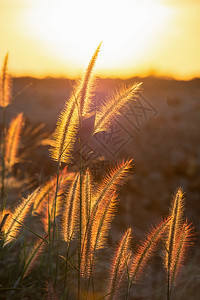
(161, 134)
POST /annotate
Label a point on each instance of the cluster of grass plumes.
(76, 212)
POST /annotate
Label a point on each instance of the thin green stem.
(53, 212)
(129, 281)
(80, 204)
(54, 206)
(38, 235)
(3, 157)
(24, 247)
(66, 269)
(168, 285)
(80, 225)
(49, 231)
(93, 287)
(128, 289)
(56, 271)
(168, 274)
(88, 286)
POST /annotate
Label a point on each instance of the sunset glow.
(56, 38)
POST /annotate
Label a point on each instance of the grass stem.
(3, 157)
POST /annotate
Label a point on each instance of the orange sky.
(58, 37)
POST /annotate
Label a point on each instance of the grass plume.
(146, 249)
(5, 85)
(86, 85)
(175, 225)
(111, 181)
(101, 225)
(47, 191)
(119, 266)
(69, 120)
(5, 215)
(108, 111)
(87, 190)
(65, 134)
(96, 235)
(32, 257)
(12, 140)
(5, 98)
(102, 213)
(70, 211)
(183, 243)
(50, 291)
(12, 226)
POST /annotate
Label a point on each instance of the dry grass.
(76, 214)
